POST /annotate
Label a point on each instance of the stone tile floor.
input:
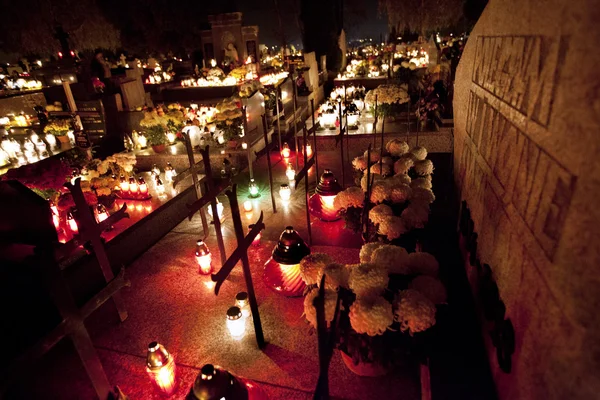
(170, 302)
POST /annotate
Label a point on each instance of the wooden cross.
(72, 324)
(313, 131)
(326, 341)
(303, 174)
(193, 172)
(340, 138)
(241, 253)
(295, 95)
(267, 151)
(375, 120)
(212, 191)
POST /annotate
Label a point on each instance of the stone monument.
(527, 117)
(228, 40)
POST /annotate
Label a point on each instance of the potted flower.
(400, 194)
(229, 121)
(387, 304)
(389, 98)
(59, 127)
(154, 126)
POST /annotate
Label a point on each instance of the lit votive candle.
(241, 300)
(247, 206)
(285, 192)
(235, 323)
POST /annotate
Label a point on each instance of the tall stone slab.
(527, 121)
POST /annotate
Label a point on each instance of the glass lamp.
(320, 204)
(215, 383)
(203, 257)
(282, 271)
(285, 150)
(235, 323)
(241, 300)
(253, 188)
(290, 172)
(101, 213)
(285, 192)
(160, 366)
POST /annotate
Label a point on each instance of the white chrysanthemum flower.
(412, 66)
(400, 193)
(392, 227)
(415, 216)
(359, 163)
(351, 197)
(421, 195)
(380, 192)
(419, 152)
(336, 275)
(387, 160)
(311, 265)
(423, 167)
(397, 147)
(392, 258)
(379, 212)
(422, 183)
(402, 179)
(414, 311)
(368, 280)
(431, 288)
(381, 169)
(367, 250)
(371, 316)
(403, 165)
(375, 155)
(375, 177)
(310, 312)
(423, 264)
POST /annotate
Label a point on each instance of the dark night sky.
(361, 20)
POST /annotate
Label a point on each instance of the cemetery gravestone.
(526, 105)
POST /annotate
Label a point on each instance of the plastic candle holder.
(101, 212)
(247, 206)
(235, 323)
(133, 186)
(241, 301)
(253, 188)
(290, 172)
(72, 223)
(321, 204)
(285, 151)
(285, 192)
(282, 271)
(203, 257)
(160, 366)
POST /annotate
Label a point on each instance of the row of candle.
(160, 364)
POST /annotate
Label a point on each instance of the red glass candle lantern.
(101, 212)
(309, 150)
(203, 257)
(72, 223)
(133, 186)
(124, 185)
(285, 150)
(215, 383)
(256, 240)
(143, 186)
(282, 271)
(160, 366)
(320, 204)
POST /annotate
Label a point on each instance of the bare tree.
(421, 15)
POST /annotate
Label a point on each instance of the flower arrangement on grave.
(387, 302)
(429, 106)
(102, 175)
(401, 192)
(157, 123)
(58, 127)
(45, 178)
(389, 98)
(270, 98)
(229, 119)
(249, 88)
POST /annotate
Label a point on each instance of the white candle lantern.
(203, 257)
(241, 300)
(235, 323)
(285, 192)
